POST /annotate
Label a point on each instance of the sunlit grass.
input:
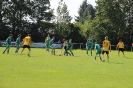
(44, 70)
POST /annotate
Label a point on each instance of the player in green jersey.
(66, 53)
(18, 41)
(8, 42)
(47, 42)
(89, 45)
(98, 51)
(51, 41)
(69, 46)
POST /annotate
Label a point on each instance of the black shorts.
(121, 49)
(26, 46)
(107, 52)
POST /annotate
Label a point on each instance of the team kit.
(67, 46)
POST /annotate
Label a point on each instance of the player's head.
(120, 40)
(48, 35)
(19, 35)
(11, 35)
(63, 40)
(66, 41)
(95, 42)
(70, 40)
(106, 37)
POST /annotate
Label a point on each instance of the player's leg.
(4, 50)
(7, 46)
(95, 56)
(71, 51)
(47, 47)
(29, 50)
(119, 52)
(24, 46)
(54, 51)
(91, 50)
(8, 50)
(103, 55)
(86, 50)
(61, 52)
(100, 57)
(17, 48)
(107, 52)
(123, 52)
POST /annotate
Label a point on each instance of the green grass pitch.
(43, 70)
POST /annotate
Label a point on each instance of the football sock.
(8, 51)
(91, 53)
(16, 51)
(87, 52)
(4, 51)
(72, 53)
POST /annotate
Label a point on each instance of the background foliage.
(112, 18)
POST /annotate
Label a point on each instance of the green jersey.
(51, 41)
(89, 43)
(70, 45)
(8, 40)
(98, 49)
(18, 40)
(47, 41)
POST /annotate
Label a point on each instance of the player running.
(69, 47)
(66, 53)
(26, 44)
(63, 47)
(8, 42)
(18, 41)
(120, 47)
(51, 45)
(89, 45)
(106, 46)
(98, 51)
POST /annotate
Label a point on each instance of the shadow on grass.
(115, 63)
(128, 58)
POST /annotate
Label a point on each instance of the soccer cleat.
(29, 55)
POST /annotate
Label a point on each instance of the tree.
(63, 20)
(113, 17)
(19, 16)
(84, 10)
(63, 13)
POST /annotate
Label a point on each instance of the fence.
(113, 47)
(59, 45)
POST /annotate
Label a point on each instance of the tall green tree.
(63, 20)
(114, 19)
(84, 10)
(19, 16)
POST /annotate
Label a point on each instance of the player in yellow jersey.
(120, 47)
(63, 47)
(106, 47)
(26, 44)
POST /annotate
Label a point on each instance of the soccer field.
(44, 70)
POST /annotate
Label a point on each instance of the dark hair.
(19, 35)
(10, 35)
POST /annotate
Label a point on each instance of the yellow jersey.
(106, 45)
(120, 45)
(27, 41)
